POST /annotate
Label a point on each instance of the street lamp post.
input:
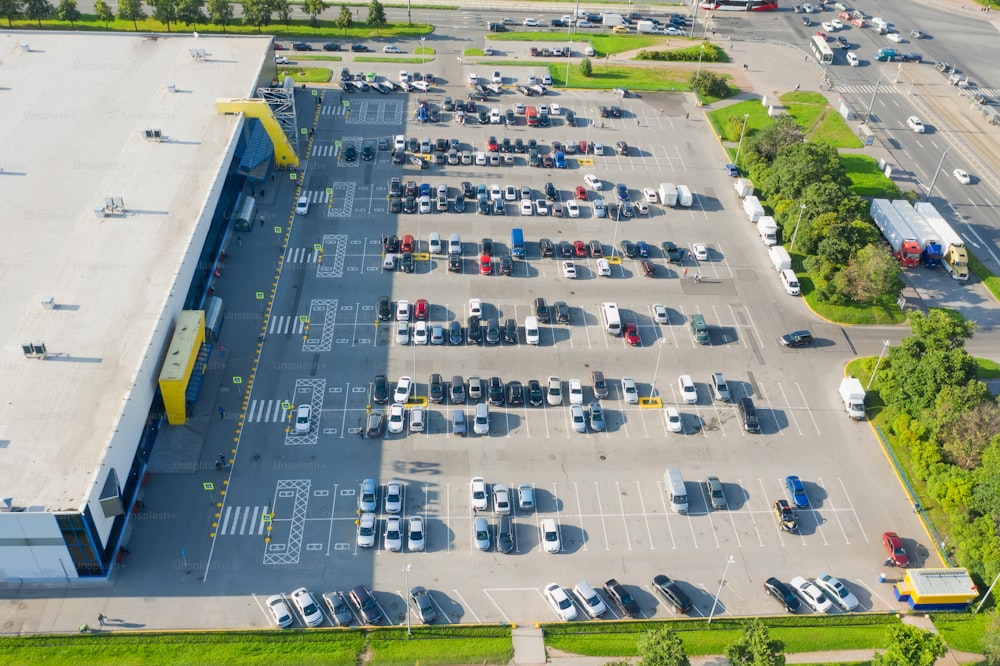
(739, 146)
(729, 560)
(652, 386)
(868, 114)
(422, 51)
(406, 591)
(701, 52)
(936, 172)
(885, 346)
(791, 245)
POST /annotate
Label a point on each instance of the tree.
(939, 329)
(11, 10)
(220, 12)
(662, 647)
(104, 12)
(67, 11)
(344, 20)
(586, 68)
(755, 647)
(768, 142)
(916, 373)
(36, 10)
(314, 8)
(191, 12)
(709, 84)
(131, 10)
(164, 11)
(257, 12)
(991, 641)
(871, 275)
(376, 15)
(906, 644)
(282, 9)
(967, 420)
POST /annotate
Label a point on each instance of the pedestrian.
(101, 618)
(262, 194)
(697, 277)
(796, 86)
(713, 32)
(261, 220)
(222, 459)
(745, 67)
(222, 412)
(661, 110)
(602, 125)
(638, 123)
(474, 512)
(687, 116)
(685, 272)
(274, 176)
(239, 241)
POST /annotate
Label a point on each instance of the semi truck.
(902, 240)
(753, 208)
(853, 395)
(768, 230)
(954, 255)
(930, 244)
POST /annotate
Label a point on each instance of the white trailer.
(753, 208)
(743, 187)
(668, 194)
(780, 258)
(684, 196)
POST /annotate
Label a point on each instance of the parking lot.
(604, 489)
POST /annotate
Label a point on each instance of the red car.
(580, 248)
(493, 145)
(581, 193)
(894, 547)
(421, 309)
(485, 264)
(406, 245)
(278, 47)
(632, 334)
(648, 268)
(585, 147)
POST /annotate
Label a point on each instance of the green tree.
(257, 12)
(314, 8)
(164, 11)
(36, 10)
(11, 10)
(131, 10)
(709, 84)
(871, 275)
(282, 9)
(191, 12)
(220, 12)
(768, 142)
(104, 12)
(991, 641)
(967, 421)
(986, 493)
(376, 16)
(906, 644)
(939, 329)
(586, 68)
(916, 372)
(67, 11)
(662, 647)
(802, 166)
(344, 20)
(755, 647)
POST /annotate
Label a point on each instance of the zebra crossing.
(333, 110)
(285, 324)
(268, 411)
(302, 255)
(317, 196)
(244, 521)
(891, 89)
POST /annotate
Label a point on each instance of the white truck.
(684, 196)
(780, 258)
(668, 194)
(612, 20)
(753, 208)
(645, 27)
(853, 395)
(768, 230)
(743, 187)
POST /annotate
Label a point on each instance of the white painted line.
(447, 517)
(889, 604)
(600, 507)
(440, 609)
(850, 505)
(833, 510)
(808, 410)
(579, 506)
(789, 409)
(333, 511)
(621, 505)
(709, 512)
(750, 512)
(645, 516)
(493, 601)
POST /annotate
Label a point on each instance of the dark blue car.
(797, 491)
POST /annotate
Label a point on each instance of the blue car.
(622, 192)
(425, 189)
(797, 491)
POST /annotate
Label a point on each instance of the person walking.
(697, 277)
(685, 272)
(101, 618)
(222, 412)
(222, 460)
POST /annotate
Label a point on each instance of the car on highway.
(477, 493)
(560, 602)
(783, 594)
(896, 550)
(915, 124)
(810, 593)
(279, 611)
(672, 593)
(837, 592)
(797, 491)
(549, 536)
(617, 592)
(962, 176)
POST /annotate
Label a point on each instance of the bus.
(612, 319)
(822, 50)
(740, 5)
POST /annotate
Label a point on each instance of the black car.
(459, 203)
(622, 598)
(506, 146)
(395, 187)
(395, 204)
(495, 393)
(383, 308)
(367, 153)
(519, 146)
(571, 119)
(605, 112)
(350, 153)
(535, 394)
(797, 339)
(410, 205)
(359, 48)
(474, 333)
(509, 117)
(505, 534)
(629, 248)
(510, 331)
(565, 249)
(455, 262)
(492, 331)
(478, 96)
(782, 593)
(455, 333)
(486, 247)
(672, 593)
(546, 247)
(434, 115)
(441, 145)
(541, 310)
(380, 390)
(616, 112)
(301, 46)
(398, 157)
(364, 602)
(406, 262)
(562, 312)
(506, 265)
(748, 415)
(390, 243)
(467, 191)
(843, 43)
(908, 57)
(484, 117)
(550, 192)
(515, 393)
(622, 148)
(331, 46)
(435, 388)
(673, 254)
(345, 74)
(420, 599)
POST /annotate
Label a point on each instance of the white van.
(673, 485)
(852, 60)
(454, 244)
(531, 330)
(481, 425)
(790, 281)
(611, 318)
(434, 243)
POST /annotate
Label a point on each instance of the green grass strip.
(305, 74)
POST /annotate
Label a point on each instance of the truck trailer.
(954, 255)
(902, 240)
(930, 244)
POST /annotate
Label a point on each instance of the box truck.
(743, 187)
(954, 255)
(902, 240)
(780, 258)
(768, 230)
(612, 20)
(752, 207)
(684, 196)
(927, 238)
(853, 395)
(668, 194)
(645, 27)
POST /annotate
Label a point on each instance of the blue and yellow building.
(936, 589)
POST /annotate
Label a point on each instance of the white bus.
(821, 50)
(612, 320)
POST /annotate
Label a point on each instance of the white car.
(473, 79)
(962, 176)
(415, 534)
(542, 207)
(915, 124)
(495, 116)
(279, 611)
(599, 209)
(389, 48)
(700, 251)
(649, 194)
(575, 392)
(510, 193)
(404, 388)
(543, 108)
(403, 311)
(280, 60)
(553, 391)
(531, 22)
(572, 208)
(404, 77)
(593, 181)
(496, 192)
(399, 143)
(894, 37)
(393, 497)
(477, 494)
(417, 419)
(674, 421)
(397, 418)
(837, 24)
(550, 536)
(366, 530)
(630, 391)
(475, 308)
(598, 149)
(501, 500)
(531, 330)
(603, 268)
(560, 602)
(660, 313)
(689, 391)
(673, 31)
(811, 594)
(828, 27)
(588, 597)
(807, 8)
(555, 109)
(578, 418)
(302, 206)
(584, 24)
(425, 204)
(527, 208)
(837, 591)
(420, 333)
(496, 78)
(569, 270)
(302, 417)
(393, 538)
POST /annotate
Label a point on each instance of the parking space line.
(333, 513)
(808, 410)
(709, 512)
(467, 606)
(789, 408)
(579, 508)
(440, 609)
(447, 516)
(489, 596)
(770, 408)
(850, 505)
(621, 505)
(874, 593)
(600, 507)
(555, 496)
(750, 512)
(666, 514)
(645, 516)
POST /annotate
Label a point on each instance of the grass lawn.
(962, 631)
(410, 60)
(867, 178)
(468, 645)
(980, 270)
(472, 52)
(603, 44)
(305, 74)
(301, 56)
(758, 118)
(987, 369)
(883, 313)
(622, 76)
(818, 120)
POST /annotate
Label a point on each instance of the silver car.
(713, 487)
(501, 500)
(578, 417)
(481, 531)
(393, 497)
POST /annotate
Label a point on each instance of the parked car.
(617, 592)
